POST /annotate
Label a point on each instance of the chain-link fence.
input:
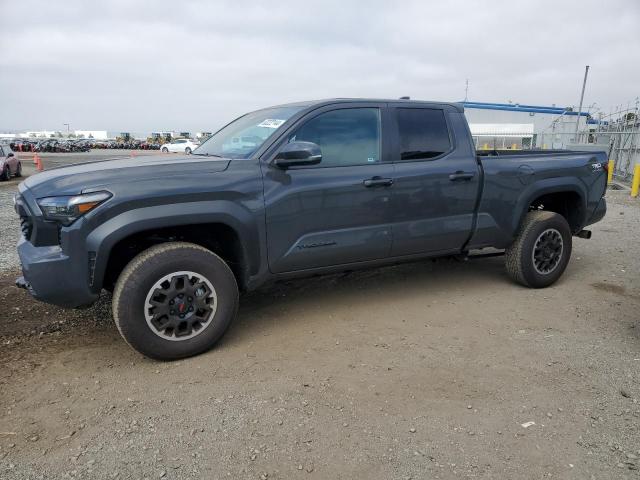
(620, 132)
(617, 133)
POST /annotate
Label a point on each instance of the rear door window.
(423, 133)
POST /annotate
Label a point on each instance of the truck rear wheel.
(541, 250)
(174, 300)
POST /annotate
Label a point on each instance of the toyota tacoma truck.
(294, 190)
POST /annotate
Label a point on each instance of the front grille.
(26, 226)
(26, 222)
(39, 233)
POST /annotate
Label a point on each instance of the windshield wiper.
(208, 155)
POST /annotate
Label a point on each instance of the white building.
(39, 134)
(553, 127)
(502, 135)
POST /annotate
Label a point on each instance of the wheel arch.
(227, 230)
(565, 196)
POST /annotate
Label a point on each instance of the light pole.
(67, 125)
(584, 84)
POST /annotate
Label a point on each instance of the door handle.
(459, 175)
(378, 182)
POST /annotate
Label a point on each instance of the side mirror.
(10, 154)
(296, 154)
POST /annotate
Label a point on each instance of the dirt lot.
(427, 370)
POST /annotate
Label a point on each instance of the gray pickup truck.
(293, 190)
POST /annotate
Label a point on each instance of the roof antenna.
(405, 98)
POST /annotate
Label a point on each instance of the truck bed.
(514, 180)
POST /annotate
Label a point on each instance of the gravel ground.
(10, 229)
(8, 219)
(427, 370)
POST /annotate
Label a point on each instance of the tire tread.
(513, 254)
(149, 255)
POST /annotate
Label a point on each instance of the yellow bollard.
(514, 146)
(485, 146)
(610, 171)
(635, 184)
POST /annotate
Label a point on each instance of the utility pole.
(584, 84)
(466, 90)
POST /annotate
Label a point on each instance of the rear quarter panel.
(513, 182)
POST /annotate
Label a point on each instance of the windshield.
(242, 137)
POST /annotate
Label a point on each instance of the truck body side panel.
(512, 183)
(433, 209)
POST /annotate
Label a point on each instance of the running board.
(473, 256)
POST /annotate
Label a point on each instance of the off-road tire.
(6, 174)
(519, 256)
(19, 170)
(140, 275)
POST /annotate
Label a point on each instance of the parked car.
(21, 145)
(9, 163)
(322, 187)
(180, 145)
(149, 146)
(81, 145)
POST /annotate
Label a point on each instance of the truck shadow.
(278, 306)
(288, 301)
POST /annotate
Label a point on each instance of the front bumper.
(53, 277)
(50, 272)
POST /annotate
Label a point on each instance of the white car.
(180, 145)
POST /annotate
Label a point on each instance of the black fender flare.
(544, 187)
(103, 238)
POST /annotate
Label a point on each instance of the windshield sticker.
(271, 123)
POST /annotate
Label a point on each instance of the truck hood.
(76, 178)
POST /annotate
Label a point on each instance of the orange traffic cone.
(39, 164)
(35, 159)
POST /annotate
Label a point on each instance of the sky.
(195, 65)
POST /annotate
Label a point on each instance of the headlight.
(67, 210)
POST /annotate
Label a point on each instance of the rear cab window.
(422, 134)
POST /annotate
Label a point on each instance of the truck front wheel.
(174, 300)
(541, 250)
